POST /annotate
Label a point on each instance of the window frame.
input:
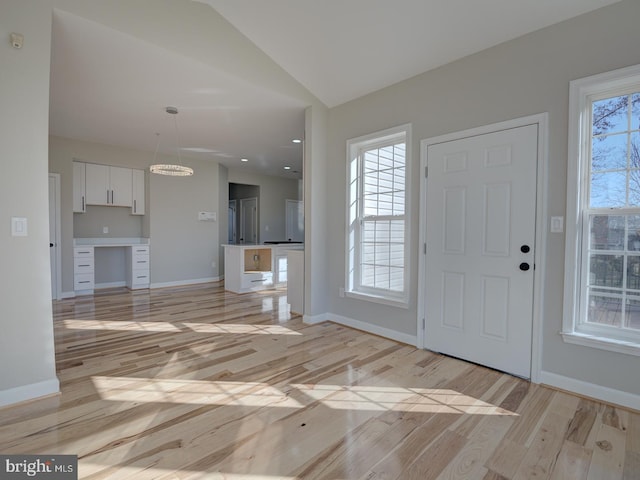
(353, 287)
(575, 329)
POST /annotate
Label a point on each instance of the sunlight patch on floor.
(88, 467)
(254, 394)
(122, 326)
(151, 390)
(240, 329)
(221, 328)
(427, 400)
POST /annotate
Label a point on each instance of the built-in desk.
(136, 262)
(249, 268)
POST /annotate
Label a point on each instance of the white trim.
(400, 303)
(604, 394)
(180, 283)
(374, 329)
(64, 295)
(364, 141)
(29, 392)
(542, 120)
(314, 319)
(579, 139)
(604, 343)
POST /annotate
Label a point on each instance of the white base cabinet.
(83, 270)
(136, 263)
(137, 260)
(295, 285)
(250, 268)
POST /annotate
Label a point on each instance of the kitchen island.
(250, 268)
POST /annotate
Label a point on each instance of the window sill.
(378, 299)
(603, 343)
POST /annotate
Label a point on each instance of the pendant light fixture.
(167, 169)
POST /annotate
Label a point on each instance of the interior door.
(294, 224)
(54, 216)
(232, 222)
(249, 220)
(479, 275)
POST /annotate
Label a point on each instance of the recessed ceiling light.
(296, 140)
(287, 167)
(244, 159)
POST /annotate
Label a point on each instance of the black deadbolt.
(524, 266)
(525, 249)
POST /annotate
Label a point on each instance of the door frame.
(58, 236)
(541, 120)
(233, 223)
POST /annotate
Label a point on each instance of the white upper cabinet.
(138, 192)
(106, 185)
(121, 182)
(79, 191)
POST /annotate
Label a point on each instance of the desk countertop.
(109, 242)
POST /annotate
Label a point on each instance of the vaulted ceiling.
(110, 87)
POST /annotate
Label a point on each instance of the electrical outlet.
(105, 229)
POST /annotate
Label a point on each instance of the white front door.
(480, 233)
(249, 220)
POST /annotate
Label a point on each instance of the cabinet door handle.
(135, 209)
(83, 208)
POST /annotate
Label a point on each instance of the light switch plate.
(557, 224)
(18, 227)
(207, 216)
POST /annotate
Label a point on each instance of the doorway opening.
(245, 200)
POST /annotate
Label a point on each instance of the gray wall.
(26, 341)
(182, 248)
(522, 77)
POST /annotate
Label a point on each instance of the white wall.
(26, 328)
(522, 77)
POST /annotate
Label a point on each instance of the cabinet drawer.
(256, 279)
(140, 277)
(83, 251)
(140, 250)
(83, 281)
(83, 265)
(140, 262)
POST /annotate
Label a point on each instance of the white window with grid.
(602, 274)
(377, 230)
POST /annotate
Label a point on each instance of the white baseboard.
(181, 283)
(29, 392)
(64, 295)
(375, 329)
(598, 392)
(313, 319)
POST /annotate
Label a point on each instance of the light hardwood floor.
(195, 382)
